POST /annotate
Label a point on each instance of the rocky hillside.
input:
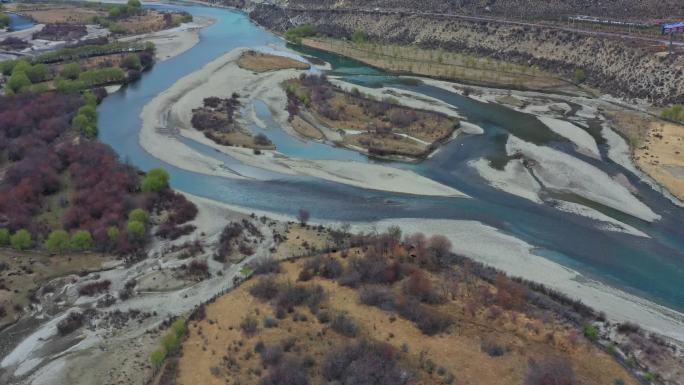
(618, 67)
(632, 9)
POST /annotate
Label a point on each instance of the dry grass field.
(64, 14)
(247, 338)
(262, 62)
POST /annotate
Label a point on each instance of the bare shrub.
(550, 371)
(344, 325)
(266, 265)
(418, 285)
(326, 267)
(378, 296)
(491, 347)
(249, 325)
(94, 288)
(69, 324)
(271, 355)
(428, 320)
(265, 288)
(365, 363)
(289, 371)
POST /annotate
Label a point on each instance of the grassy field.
(261, 62)
(441, 64)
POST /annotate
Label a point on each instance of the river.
(652, 268)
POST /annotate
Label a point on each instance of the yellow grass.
(662, 155)
(303, 128)
(64, 14)
(262, 62)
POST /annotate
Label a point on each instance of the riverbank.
(172, 42)
(169, 114)
(518, 259)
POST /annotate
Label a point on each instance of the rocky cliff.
(616, 66)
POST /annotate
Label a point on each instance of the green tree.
(580, 76)
(157, 358)
(591, 332)
(134, 4)
(21, 65)
(67, 86)
(131, 62)
(58, 241)
(170, 342)
(4, 20)
(38, 73)
(21, 240)
(136, 229)
(139, 215)
(113, 234)
(359, 37)
(89, 112)
(80, 122)
(89, 99)
(4, 237)
(82, 240)
(155, 180)
(71, 71)
(18, 81)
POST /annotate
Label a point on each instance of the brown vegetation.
(216, 119)
(387, 129)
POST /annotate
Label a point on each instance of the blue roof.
(674, 25)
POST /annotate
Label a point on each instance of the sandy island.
(169, 114)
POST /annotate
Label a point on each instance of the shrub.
(139, 215)
(344, 325)
(303, 216)
(265, 288)
(378, 296)
(155, 180)
(270, 322)
(136, 229)
(365, 363)
(674, 112)
(428, 320)
(326, 267)
(93, 288)
(265, 265)
(359, 37)
(491, 347)
(262, 140)
(72, 322)
(157, 358)
(58, 241)
(249, 325)
(21, 240)
(629, 328)
(131, 62)
(419, 286)
(18, 81)
(289, 371)
(295, 34)
(4, 237)
(550, 371)
(580, 76)
(591, 332)
(271, 354)
(81, 240)
(71, 70)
